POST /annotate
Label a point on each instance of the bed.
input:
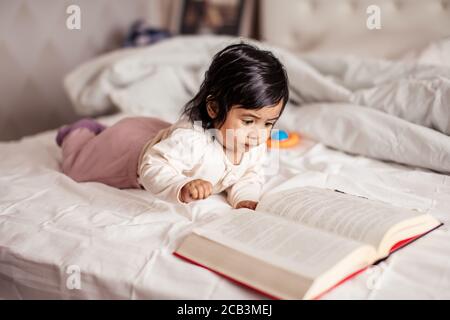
(60, 239)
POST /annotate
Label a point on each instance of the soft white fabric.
(175, 86)
(375, 134)
(407, 90)
(184, 152)
(435, 53)
(122, 240)
(186, 56)
(95, 84)
(172, 70)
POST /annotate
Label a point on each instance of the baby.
(218, 144)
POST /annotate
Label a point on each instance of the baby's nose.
(262, 135)
(256, 139)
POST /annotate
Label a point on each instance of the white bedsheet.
(122, 240)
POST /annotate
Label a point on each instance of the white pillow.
(364, 131)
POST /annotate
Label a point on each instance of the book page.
(309, 252)
(350, 216)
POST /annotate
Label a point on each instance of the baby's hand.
(247, 204)
(195, 190)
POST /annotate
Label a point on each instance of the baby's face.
(244, 129)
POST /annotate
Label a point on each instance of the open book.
(300, 243)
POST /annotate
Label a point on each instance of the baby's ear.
(212, 108)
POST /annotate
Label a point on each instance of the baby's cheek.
(265, 135)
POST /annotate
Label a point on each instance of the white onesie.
(185, 152)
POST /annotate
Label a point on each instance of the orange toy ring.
(293, 140)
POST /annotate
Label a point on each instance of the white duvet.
(400, 111)
(120, 242)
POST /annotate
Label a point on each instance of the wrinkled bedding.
(121, 241)
(410, 98)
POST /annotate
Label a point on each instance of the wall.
(37, 50)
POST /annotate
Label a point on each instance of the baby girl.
(218, 144)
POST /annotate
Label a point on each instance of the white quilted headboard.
(339, 26)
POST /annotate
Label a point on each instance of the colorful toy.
(283, 139)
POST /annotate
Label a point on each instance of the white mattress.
(122, 240)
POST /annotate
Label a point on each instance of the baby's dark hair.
(243, 75)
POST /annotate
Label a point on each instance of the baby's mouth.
(248, 146)
(251, 144)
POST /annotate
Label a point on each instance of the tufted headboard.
(37, 50)
(339, 26)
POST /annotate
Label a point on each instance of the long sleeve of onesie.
(162, 168)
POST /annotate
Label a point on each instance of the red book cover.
(394, 248)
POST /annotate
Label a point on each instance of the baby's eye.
(269, 124)
(247, 122)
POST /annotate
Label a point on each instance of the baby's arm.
(246, 192)
(162, 166)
